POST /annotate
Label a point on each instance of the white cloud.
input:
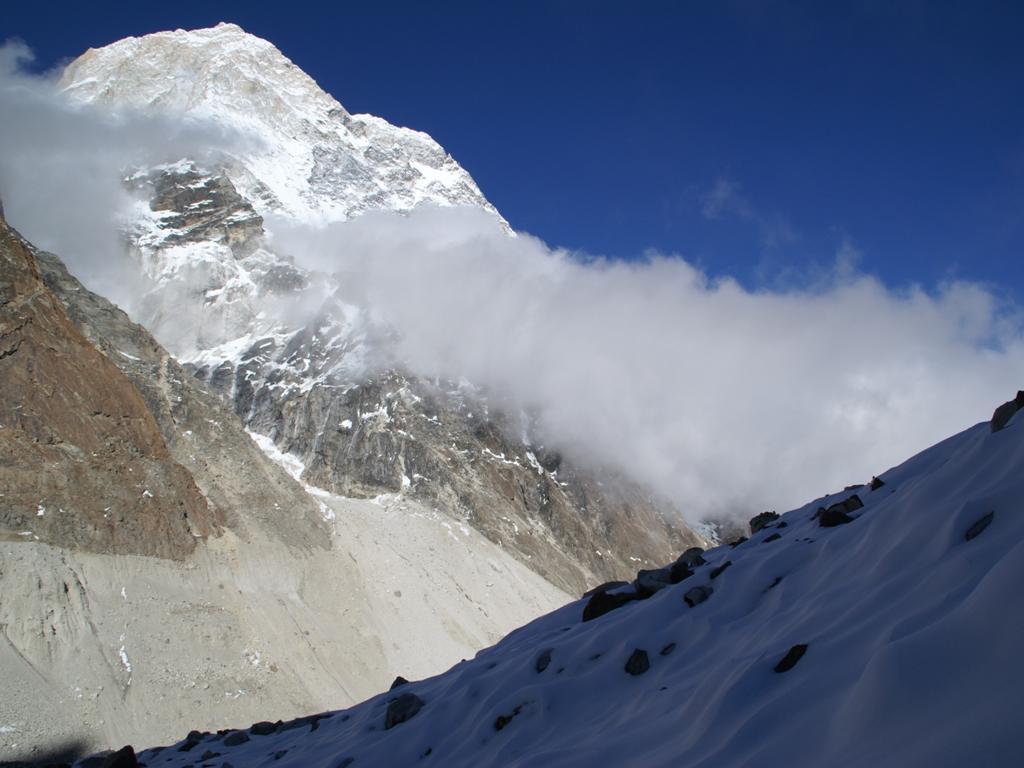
(727, 400)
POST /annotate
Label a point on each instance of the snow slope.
(912, 659)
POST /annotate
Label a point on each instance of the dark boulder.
(637, 663)
(603, 602)
(876, 483)
(608, 585)
(668, 649)
(397, 682)
(736, 542)
(979, 525)
(680, 571)
(649, 582)
(502, 720)
(833, 516)
(692, 557)
(264, 728)
(123, 758)
(1002, 415)
(793, 655)
(236, 738)
(697, 595)
(716, 572)
(760, 521)
(773, 537)
(403, 708)
(543, 660)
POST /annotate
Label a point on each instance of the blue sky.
(756, 139)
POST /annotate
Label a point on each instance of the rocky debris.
(679, 572)
(209, 755)
(502, 720)
(793, 655)
(760, 521)
(692, 557)
(697, 595)
(836, 514)
(543, 660)
(124, 758)
(718, 571)
(236, 738)
(637, 663)
(668, 649)
(264, 728)
(876, 483)
(402, 708)
(603, 602)
(397, 682)
(604, 587)
(649, 582)
(772, 537)
(979, 525)
(1002, 415)
(313, 721)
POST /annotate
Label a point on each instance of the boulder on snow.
(264, 728)
(680, 571)
(668, 649)
(978, 526)
(604, 588)
(543, 660)
(837, 514)
(736, 542)
(402, 708)
(876, 483)
(793, 655)
(716, 572)
(637, 663)
(602, 602)
(697, 595)
(650, 581)
(1002, 415)
(760, 521)
(692, 557)
(123, 758)
(397, 682)
(236, 738)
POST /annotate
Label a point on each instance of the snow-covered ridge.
(882, 632)
(307, 156)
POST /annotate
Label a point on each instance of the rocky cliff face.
(83, 463)
(296, 355)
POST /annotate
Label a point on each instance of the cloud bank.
(727, 400)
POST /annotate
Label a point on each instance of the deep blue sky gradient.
(608, 127)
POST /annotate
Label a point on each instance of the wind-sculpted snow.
(891, 639)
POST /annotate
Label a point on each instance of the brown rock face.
(82, 461)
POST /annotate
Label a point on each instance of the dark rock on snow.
(979, 525)
(602, 603)
(1002, 415)
(397, 682)
(637, 663)
(264, 728)
(123, 758)
(716, 572)
(773, 537)
(401, 709)
(762, 520)
(236, 738)
(608, 585)
(692, 557)
(793, 655)
(503, 720)
(876, 483)
(697, 595)
(668, 649)
(736, 542)
(543, 660)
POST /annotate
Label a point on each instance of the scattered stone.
(124, 758)
(834, 515)
(697, 595)
(401, 709)
(736, 542)
(716, 572)
(773, 537)
(762, 520)
(876, 483)
(1002, 415)
(313, 721)
(668, 649)
(680, 571)
(280, 753)
(543, 660)
(602, 602)
(503, 720)
(236, 738)
(428, 752)
(852, 503)
(209, 755)
(979, 525)
(649, 582)
(793, 655)
(264, 728)
(604, 588)
(397, 682)
(692, 557)
(637, 663)
(193, 738)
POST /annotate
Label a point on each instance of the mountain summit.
(300, 152)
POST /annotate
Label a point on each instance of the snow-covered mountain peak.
(308, 158)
